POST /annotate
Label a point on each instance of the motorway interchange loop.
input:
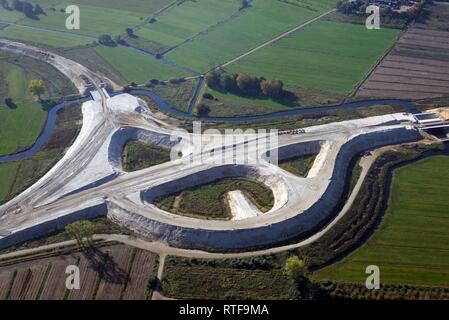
(89, 182)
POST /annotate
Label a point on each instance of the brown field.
(416, 68)
(140, 271)
(114, 279)
(114, 272)
(88, 282)
(54, 288)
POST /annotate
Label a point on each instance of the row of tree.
(245, 85)
(358, 7)
(28, 9)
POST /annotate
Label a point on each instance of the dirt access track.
(89, 182)
(71, 69)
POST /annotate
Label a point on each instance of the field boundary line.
(207, 30)
(46, 29)
(277, 38)
(373, 69)
(155, 14)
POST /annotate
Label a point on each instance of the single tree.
(213, 79)
(82, 231)
(228, 82)
(294, 268)
(10, 103)
(106, 40)
(37, 88)
(202, 110)
(38, 10)
(272, 88)
(248, 85)
(129, 32)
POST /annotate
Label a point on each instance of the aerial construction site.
(153, 164)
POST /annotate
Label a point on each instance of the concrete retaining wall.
(52, 226)
(299, 225)
(299, 150)
(123, 135)
(237, 239)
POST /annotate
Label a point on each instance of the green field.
(411, 246)
(138, 155)
(177, 95)
(329, 56)
(7, 174)
(320, 64)
(53, 39)
(264, 20)
(97, 17)
(91, 59)
(209, 201)
(186, 20)
(17, 176)
(19, 126)
(94, 20)
(248, 278)
(10, 16)
(299, 166)
(135, 66)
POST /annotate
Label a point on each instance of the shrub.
(202, 110)
(106, 40)
(213, 80)
(208, 96)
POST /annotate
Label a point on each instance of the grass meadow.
(19, 125)
(135, 66)
(183, 21)
(264, 20)
(7, 175)
(411, 244)
(329, 56)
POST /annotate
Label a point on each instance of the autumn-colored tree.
(247, 84)
(294, 268)
(37, 88)
(213, 79)
(272, 88)
(82, 231)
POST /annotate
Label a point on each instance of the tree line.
(244, 84)
(28, 9)
(358, 7)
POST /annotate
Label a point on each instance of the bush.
(10, 103)
(231, 295)
(228, 83)
(213, 79)
(272, 88)
(294, 268)
(106, 40)
(176, 80)
(247, 84)
(208, 96)
(202, 110)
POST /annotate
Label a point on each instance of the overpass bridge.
(431, 123)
